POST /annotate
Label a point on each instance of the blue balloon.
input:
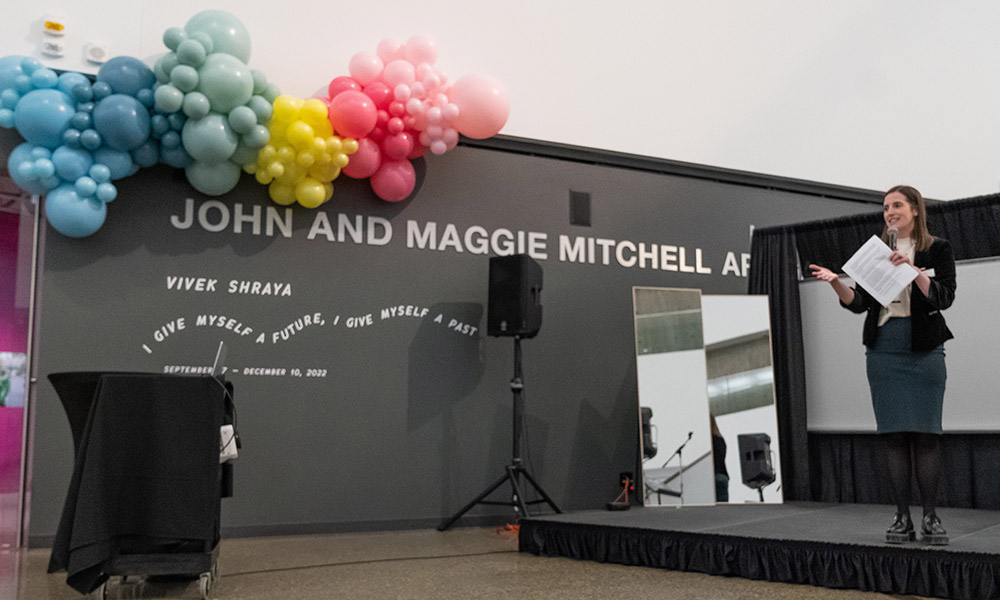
(71, 164)
(147, 154)
(24, 178)
(122, 121)
(100, 173)
(90, 139)
(119, 162)
(126, 75)
(10, 68)
(176, 157)
(72, 215)
(106, 192)
(44, 79)
(69, 80)
(9, 98)
(85, 187)
(42, 116)
(6, 118)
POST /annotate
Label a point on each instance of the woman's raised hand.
(823, 274)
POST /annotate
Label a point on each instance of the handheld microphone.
(893, 233)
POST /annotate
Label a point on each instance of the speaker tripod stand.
(515, 469)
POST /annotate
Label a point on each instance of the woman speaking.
(905, 358)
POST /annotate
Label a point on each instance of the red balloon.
(353, 114)
(363, 163)
(342, 84)
(417, 152)
(396, 147)
(380, 94)
(394, 180)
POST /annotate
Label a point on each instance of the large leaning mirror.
(672, 384)
(737, 337)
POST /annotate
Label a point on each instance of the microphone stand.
(679, 453)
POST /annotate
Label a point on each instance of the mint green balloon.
(226, 81)
(213, 179)
(228, 34)
(209, 139)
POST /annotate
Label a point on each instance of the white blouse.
(900, 306)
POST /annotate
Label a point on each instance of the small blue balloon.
(145, 96)
(71, 164)
(44, 79)
(106, 192)
(81, 121)
(72, 215)
(40, 152)
(44, 168)
(41, 117)
(177, 121)
(83, 92)
(101, 90)
(175, 157)
(85, 187)
(20, 164)
(30, 65)
(100, 173)
(85, 106)
(69, 80)
(126, 75)
(159, 125)
(22, 83)
(170, 140)
(72, 138)
(122, 121)
(6, 118)
(9, 98)
(147, 154)
(10, 69)
(90, 139)
(120, 163)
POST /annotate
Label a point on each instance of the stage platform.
(829, 545)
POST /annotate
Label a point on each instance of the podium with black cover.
(144, 498)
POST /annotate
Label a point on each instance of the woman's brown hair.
(920, 236)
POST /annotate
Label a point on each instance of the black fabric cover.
(146, 473)
(891, 570)
(777, 256)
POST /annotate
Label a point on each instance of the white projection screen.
(837, 397)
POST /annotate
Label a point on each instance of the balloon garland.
(203, 109)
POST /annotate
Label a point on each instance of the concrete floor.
(460, 564)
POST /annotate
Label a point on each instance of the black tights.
(923, 452)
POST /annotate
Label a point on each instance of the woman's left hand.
(899, 259)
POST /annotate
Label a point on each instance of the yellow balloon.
(313, 111)
(334, 144)
(310, 193)
(286, 108)
(319, 146)
(294, 172)
(350, 146)
(275, 169)
(263, 177)
(250, 168)
(306, 158)
(328, 187)
(285, 154)
(340, 160)
(267, 153)
(323, 129)
(324, 172)
(301, 135)
(282, 194)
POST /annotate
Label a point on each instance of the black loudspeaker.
(648, 443)
(515, 307)
(755, 460)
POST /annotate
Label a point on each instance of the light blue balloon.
(85, 187)
(69, 80)
(210, 139)
(71, 164)
(101, 90)
(120, 163)
(10, 69)
(126, 75)
(100, 173)
(228, 34)
(242, 119)
(213, 179)
(257, 137)
(71, 138)
(175, 157)
(184, 78)
(72, 215)
(81, 121)
(44, 168)
(6, 118)
(41, 117)
(19, 158)
(106, 192)
(9, 98)
(262, 108)
(191, 52)
(145, 97)
(196, 105)
(168, 98)
(90, 139)
(122, 121)
(173, 36)
(83, 93)
(44, 79)
(159, 125)
(147, 154)
(170, 140)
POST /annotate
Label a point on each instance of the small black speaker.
(515, 307)
(648, 443)
(755, 460)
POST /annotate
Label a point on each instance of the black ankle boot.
(901, 530)
(932, 532)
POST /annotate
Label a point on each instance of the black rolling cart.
(145, 496)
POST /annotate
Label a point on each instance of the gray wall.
(412, 418)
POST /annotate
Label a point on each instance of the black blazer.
(927, 326)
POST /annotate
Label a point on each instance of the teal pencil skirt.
(907, 387)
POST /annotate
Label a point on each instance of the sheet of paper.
(870, 268)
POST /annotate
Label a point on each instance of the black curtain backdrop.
(832, 467)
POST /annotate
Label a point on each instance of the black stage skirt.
(907, 387)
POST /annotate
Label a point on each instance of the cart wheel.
(101, 593)
(205, 585)
(215, 571)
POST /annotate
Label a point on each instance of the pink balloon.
(389, 50)
(380, 94)
(398, 146)
(353, 114)
(342, 84)
(363, 163)
(399, 72)
(420, 49)
(417, 152)
(394, 180)
(482, 104)
(365, 67)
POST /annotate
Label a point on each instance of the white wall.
(859, 93)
